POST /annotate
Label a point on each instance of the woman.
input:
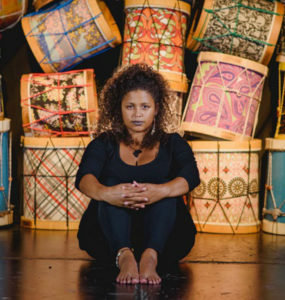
(136, 173)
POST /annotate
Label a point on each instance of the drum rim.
(233, 60)
(274, 144)
(55, 142)
(5, 125)
(169, 4)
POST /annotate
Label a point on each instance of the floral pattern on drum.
(236, 205)
(224, 96)
(58, 104)
(238, 27)
(155, 36)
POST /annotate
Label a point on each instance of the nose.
(138, 112)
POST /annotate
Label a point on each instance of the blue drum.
(6, 214)
(274, 198)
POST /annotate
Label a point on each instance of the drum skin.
(51, 200)
(244, 28)
(69, 32)
(224, 98)
(227, 199)
(274, 203)
(59, 104)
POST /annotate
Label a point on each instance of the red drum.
(11, 12)
(225, 96)
(245, 28)
(59, 104)
(51, 200)
(155, 34)
(69, 32)
(226, 201)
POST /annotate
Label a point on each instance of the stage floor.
(49, 265)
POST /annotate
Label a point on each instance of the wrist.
(165, 189)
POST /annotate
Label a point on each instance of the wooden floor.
(49, 265)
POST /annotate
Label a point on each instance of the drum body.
(1, 101)
(225, 96)
(51, 200)
(280, 128)
(38, 4)
(274, 198)
(6, 213)
(59, 104)
(70, 31)
(226, 201)
(11, 11)
(155, 34)
(244, 28)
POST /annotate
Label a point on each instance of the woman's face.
(138, 111)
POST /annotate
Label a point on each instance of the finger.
(135, 198)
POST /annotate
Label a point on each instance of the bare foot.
(128, 268)
(148, 265)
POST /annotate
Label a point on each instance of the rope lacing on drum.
(275, 212)
(145, 5)
(234, 32)
(281, 96)
(47, 58)
(38, 157)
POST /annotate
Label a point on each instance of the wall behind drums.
(17, 59)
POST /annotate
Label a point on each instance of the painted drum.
(280, 49)
(59, 104)
(11, 12)
(274, 197)
(51, 200)
(69, 32)
(155, 34)
(280, 128)
(6, 211)
(226, 201)
(225, 96)
(245, 28)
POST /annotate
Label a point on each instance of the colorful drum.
(274, 198)
(155, 34)
(59, 104)
(11, 12)
(41, 3)
(6, 212)
(225, 96)
(280, 49)
(51, 200)
(280, 128)
(70, 31)
(245, 28)
(226, 201)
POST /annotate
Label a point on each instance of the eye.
(129, 106)
(145, 106)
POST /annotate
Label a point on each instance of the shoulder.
(176, 139)
(103, 142)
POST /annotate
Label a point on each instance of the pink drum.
(225, 96)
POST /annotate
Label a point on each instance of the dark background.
(17, 59)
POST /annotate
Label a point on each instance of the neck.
(137, 138)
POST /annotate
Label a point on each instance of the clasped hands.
(137, 195)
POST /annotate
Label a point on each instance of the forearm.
(176, 187)
(91, 187)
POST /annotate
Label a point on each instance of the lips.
(137, 123)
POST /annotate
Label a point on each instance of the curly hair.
(124, 80)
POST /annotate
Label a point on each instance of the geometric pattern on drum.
(68, 33)
(155, 36)
(280, 128)
(225, 96)
(235, 203)
(239, 27)
(49, 191)
(59, 103)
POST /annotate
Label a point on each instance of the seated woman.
(136, 173)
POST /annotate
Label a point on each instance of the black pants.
(178, 244)
(156, 221)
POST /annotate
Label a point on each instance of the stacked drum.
(274, 204)
(59, 107)
(236, 39)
